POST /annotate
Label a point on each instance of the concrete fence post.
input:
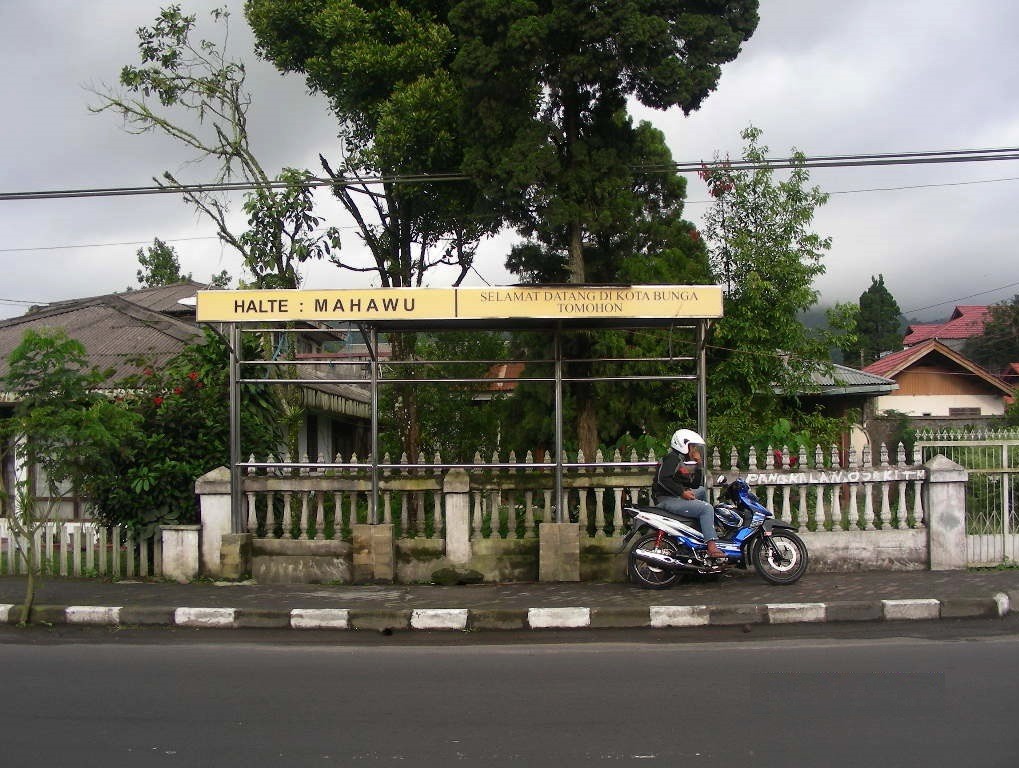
(945, 511)
(374, 553)
(456, 496)
(559, 552)
(213, 489)
(180, 552)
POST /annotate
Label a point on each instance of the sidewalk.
(739, 598)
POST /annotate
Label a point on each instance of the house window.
(963, 411)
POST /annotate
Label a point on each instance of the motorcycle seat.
(667, 513)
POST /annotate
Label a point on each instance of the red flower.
(178, 391)
(193, 375)
(148, 372)
(198, 385)
(157, 400)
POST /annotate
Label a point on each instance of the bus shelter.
(555, 310)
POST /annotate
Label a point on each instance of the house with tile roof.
(151, 323)
(940, 387)
(965, 323)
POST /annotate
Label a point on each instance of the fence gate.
(992, 459)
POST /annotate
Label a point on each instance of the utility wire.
(825, 161)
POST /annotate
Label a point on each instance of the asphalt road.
(206, 699)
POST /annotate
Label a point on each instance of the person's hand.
(688, 495)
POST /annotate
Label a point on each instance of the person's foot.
(714, 551)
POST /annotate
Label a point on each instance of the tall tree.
(998, 345)
(547, 84)
(766, 255)
(189, 90)
(647, 241)
(159, 265)
(878, 324)
(385, 68)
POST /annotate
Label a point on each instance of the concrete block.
(662, 616)
(559, 552)
(558, 618)
(235, 555)
(497, 619)
(620, 617)
(180, 552)
(46, 614)
(439, 618)
(93, 614)
(146, 616)
(253, 618)
(1004, 603)
(456, 497)
(854, 610)
(5, 613)
(213, 489)
(911, 610)
(970, 607)
(204, 617)
(795, 613)
(728, 615)
(379, 620)
(320, 618)
(293, 569)
(374, 555)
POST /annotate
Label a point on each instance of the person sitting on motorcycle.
(679, 485)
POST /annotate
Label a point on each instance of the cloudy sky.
(826, 78)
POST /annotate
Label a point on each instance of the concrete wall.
(566, 552)
(938, 405)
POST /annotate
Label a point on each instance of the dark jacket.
(674, 474)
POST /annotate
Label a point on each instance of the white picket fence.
(81, 549)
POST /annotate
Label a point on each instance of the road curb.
(494, 619)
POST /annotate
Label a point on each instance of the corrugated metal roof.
(844, 379)
(112, 330)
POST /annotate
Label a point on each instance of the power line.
(823, 161)
(106, 245)
(961, 298)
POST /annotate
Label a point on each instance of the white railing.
(821, 490)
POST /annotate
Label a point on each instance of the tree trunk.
(403, 347)
(577, 272)
(587, 424)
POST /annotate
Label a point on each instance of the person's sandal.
(714, 551)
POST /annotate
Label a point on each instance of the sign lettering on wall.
(354, 304)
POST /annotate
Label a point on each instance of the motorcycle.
(670, 545)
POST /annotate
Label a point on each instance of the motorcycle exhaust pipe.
(665, 561)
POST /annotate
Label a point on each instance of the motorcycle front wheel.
(647, 574)
(780, 559)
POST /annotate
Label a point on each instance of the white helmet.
(683, 437)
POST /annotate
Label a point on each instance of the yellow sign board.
(496, 303)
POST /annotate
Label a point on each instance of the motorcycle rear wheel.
(784, 561)
(647, 574)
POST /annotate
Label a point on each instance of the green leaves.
(763, 250)
(546, 85)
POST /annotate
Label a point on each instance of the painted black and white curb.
(474, 619)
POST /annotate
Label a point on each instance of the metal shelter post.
(373, 352)
(702, 378)
(237, 521)
(557, 345)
